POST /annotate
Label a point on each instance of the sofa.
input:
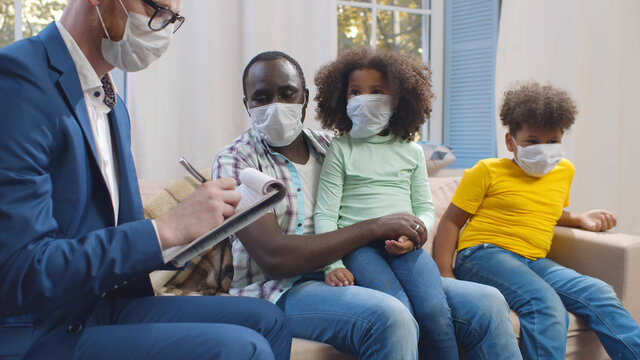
(610, 256)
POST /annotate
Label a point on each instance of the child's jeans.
(479, 314)
(414, 279)
(541, 291)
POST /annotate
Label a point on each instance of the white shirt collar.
(88, 77)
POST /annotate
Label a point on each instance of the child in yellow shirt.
(510, 207)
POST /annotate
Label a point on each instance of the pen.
(192, 170)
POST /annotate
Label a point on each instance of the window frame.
(432, 12)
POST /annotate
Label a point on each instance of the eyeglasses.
(163, 16)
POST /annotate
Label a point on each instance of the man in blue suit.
(75, 249)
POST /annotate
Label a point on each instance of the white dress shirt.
(97, 111)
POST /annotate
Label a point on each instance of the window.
(459, 40)
(399, 25)
(23, 18)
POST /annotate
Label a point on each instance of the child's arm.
(421, 203)
(447, 238)
(421, 206)
(325, 217)
(329, 194)
(593, 220)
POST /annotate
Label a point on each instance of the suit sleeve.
(40, 268)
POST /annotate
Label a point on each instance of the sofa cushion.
(211, 272)
(437, 156)
(442, 190)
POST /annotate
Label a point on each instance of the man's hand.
(597, 220)
(339, 277)
(399, 247)
(200, 212)
(404, 224)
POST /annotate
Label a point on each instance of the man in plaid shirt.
(278, 257)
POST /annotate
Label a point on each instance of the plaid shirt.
(249, 150)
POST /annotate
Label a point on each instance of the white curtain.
(189, 102)
(591, 49)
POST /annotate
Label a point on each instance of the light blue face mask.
(537, 160)
(278, 123)
(369, 114)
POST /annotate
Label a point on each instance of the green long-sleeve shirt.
(366, 178)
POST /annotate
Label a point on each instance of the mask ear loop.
(102, 22)
(124, 8)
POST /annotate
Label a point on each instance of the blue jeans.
(185, 327)
(359, 321)
(541, 291)
(476, 315)
(412, 278)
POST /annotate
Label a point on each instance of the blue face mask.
(369, 114)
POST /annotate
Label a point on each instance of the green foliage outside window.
(354, 26)
(395, 30)
(6, 22)
(36, 14)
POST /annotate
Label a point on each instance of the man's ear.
(306, 103)
(246, 106)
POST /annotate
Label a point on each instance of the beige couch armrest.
(611, 257)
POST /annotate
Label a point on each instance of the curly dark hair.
(537, 106)
(409, 81)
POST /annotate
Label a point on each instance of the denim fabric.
(481, 321)
(185, 327)
(362, 322)
(541, 292)
(412, 278)
(479, 313)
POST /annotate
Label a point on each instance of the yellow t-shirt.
(511, 209)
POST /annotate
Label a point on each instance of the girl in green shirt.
(376, 101)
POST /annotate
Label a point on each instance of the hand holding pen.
(201, 211)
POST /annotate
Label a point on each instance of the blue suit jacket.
(60, 251)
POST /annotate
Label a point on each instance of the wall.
(591, 49)
(189, 102)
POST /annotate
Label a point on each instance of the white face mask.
(369, 114)
(278, 123)
(139, 47)
(537, 160)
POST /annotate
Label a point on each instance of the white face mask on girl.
(369, 114)
(278, 123)
(139, 47)
(537, 160)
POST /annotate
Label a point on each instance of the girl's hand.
(339, 277)
(597, 220)
(399, 247)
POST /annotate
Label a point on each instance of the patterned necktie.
(109, 94)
